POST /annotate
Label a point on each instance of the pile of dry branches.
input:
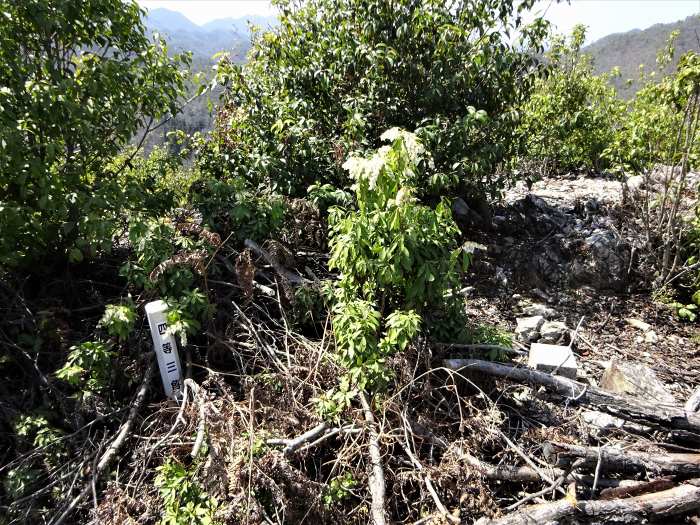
(453, 440)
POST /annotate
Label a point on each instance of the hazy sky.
(601, 16)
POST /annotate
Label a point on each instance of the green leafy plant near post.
(79, 80)
(571, 115)
(185, 501)
(395, 256)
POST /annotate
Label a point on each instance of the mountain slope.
(228, 34)
(628, 50)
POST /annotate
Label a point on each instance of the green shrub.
(338, 489)
(396, 258)
(572, 114)
(79, 80)
(119, 319)
(88, 366)
(336, 73)
(232, 206)
(185, 314)
(168, 252)
(185, 501)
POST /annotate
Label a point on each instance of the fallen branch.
(554, 486)
(111, 452)
(530, 475)
(664, 504)
(625, 407)
(291, 445)
(377, 485)
(272, 261)
(611, 459)
(643, 488)
(516, 474)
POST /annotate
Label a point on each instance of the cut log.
(611, 459)
(657, 414)
(530, 475)
(637, 490)
(663, 504)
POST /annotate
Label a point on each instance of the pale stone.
(640, 325)
(635, 379)
(553, 332)
(553, 358)
(651, 337)
(528, 328)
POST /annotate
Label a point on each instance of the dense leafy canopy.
(572, 114)
(79, 79)
(336, 74)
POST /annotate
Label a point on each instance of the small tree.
(571, 115)
(396, 258)
(80, 78)
(660, 135)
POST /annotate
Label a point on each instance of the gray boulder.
(603, 261)
(553, 332)
(528, 328)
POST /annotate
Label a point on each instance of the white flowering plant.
(394, 250)
(396, 258)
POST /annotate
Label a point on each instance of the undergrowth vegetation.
(305, 247)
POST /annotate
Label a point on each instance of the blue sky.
(602, 17)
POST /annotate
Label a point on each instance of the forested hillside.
(631, 49)
(417, 270)
(205, 43)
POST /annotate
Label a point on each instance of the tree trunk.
(625, 407)
(664, 504)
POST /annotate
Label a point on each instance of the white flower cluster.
(414, 148)
(361, 168)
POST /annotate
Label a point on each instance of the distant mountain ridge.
(227, 34)
(628, 50)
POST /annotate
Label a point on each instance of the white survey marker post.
(165, 347)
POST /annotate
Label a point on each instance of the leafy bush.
(396, 257)
(338, 489)
(88, 366)
(79, 80)
(233, 207)
(660, 136)
(186, 313)
(185, 501)
(335, 74)
(119, 319)
(393, 250)
(168, 252)
(571, 115)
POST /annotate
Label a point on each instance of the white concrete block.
(551, 358)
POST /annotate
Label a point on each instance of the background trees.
(79, 79)
(572, 114)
